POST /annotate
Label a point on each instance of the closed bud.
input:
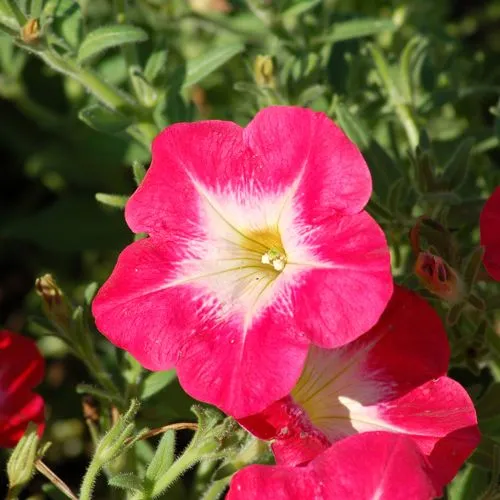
(54, 302)
(30, 32)
(204, 6)
(439, 277)
(21, 464)
(264, 71)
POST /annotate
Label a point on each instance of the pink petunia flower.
(21, 369)
(391, 379)
(373, 465)
(489, 225)
(257, 247)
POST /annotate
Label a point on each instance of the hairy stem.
(89, 480)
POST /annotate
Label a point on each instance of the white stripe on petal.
(338, 394)
(241, 260)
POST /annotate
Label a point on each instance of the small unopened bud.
(204, 6)
(90, 408)
(439, 277)
(30, 32)
(54, 302)
(264, 71)
(21, 464)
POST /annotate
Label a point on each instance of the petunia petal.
(489, 224)
(15, 414)
(210, 155)
(402, 339)
(344, 292)
(440, 417)
(21, 364)
(294, 439)
(296, 143)
(388, 380)
(241, 370)
(376, 465)
(21, 369)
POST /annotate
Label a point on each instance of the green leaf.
(97, 393)
(68, 22)
(52, 492)
(300, 8)
(7, 17)
(493, 342)
(156, 382)
(112, 200)
(472, 266)
(126, 481)
(484, 454)
(205, 64)
(107, 37)
(454, 313)
(36, 8)
(311, 94)
(455, 170)
(89, 292)
(383, 69)
(356, 28)
(155, 64)
(139, 172)
(147, 95)
(383, 169)
(468, 484)
(103, 119)
(163, 457)
(410, 54)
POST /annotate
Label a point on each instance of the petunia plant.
(252, 249)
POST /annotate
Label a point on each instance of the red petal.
(489, 224)
(295, 142)
(362, 467)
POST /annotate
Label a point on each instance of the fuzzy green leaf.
(126, 481)
(112, 200)
(383, 169)
(163, 457)
(139, 172)
(469, 483)
(455, 170)
(155, 64)
(205, 64)
(156, 382)
(300, 8)
(103, 119)
(356, 28)
(107, 37)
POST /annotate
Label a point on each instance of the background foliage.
(416, 84)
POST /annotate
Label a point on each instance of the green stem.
(120, 11)
(183, 463)
(99, 373)
(128, 50)
(89, 480)
(408, 124)
(18, 13)
(110, 96)
(202, 477)
(11, 495)
(107, 94)
(216, 489)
